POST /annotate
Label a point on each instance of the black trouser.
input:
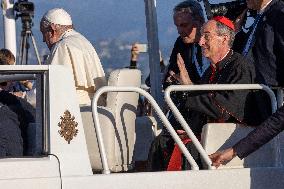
(161, 151)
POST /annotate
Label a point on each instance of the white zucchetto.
(58, 16)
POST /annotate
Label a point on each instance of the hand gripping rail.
(158, 110)
(211, 88)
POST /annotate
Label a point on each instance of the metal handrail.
(210, 87)
(160, 113)
(17, 77)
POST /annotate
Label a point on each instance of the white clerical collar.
(263, 8)
(224, 55)
(66, 33)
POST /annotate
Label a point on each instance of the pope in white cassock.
(71, 49)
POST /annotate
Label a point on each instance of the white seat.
(219, 136)
(117, 122)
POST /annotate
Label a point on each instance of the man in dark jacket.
(188, 18)
(263, 45)
(16, 114)
(11, 142)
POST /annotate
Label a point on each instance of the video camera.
(24, 7)
(230, 9)
(25, 10)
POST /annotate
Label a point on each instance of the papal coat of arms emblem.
(68, 126)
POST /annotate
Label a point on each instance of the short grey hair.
(192, 7)
(225, 30)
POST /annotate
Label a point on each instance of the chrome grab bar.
(211, 87)
(159, 112)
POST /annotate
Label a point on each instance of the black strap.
(199, 57)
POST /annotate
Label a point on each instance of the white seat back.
(219, 136)
(117, 122)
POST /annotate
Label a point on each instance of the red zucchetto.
(224, 20)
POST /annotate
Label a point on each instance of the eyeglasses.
(209, 36)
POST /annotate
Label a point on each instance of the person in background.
(188, 18)
(253, 141)
(20, 88)
(16, 113)
(11, 141)
(72, 50)
(144, 107)
(135, 51)
(263, 45)
(6, 57)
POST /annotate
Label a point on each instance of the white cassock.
(74, 51)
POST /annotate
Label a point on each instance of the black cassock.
(199, 108)
(185, 50)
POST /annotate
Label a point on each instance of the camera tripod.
(26, 35)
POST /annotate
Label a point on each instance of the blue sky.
(111, 20)
(105, 19)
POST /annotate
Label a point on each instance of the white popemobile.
(66, 153)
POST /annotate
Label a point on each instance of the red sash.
(176, 160)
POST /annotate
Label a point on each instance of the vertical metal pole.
(35, 48)
(280, 97)
(153, 46)
(279, 151)
(9, 26)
